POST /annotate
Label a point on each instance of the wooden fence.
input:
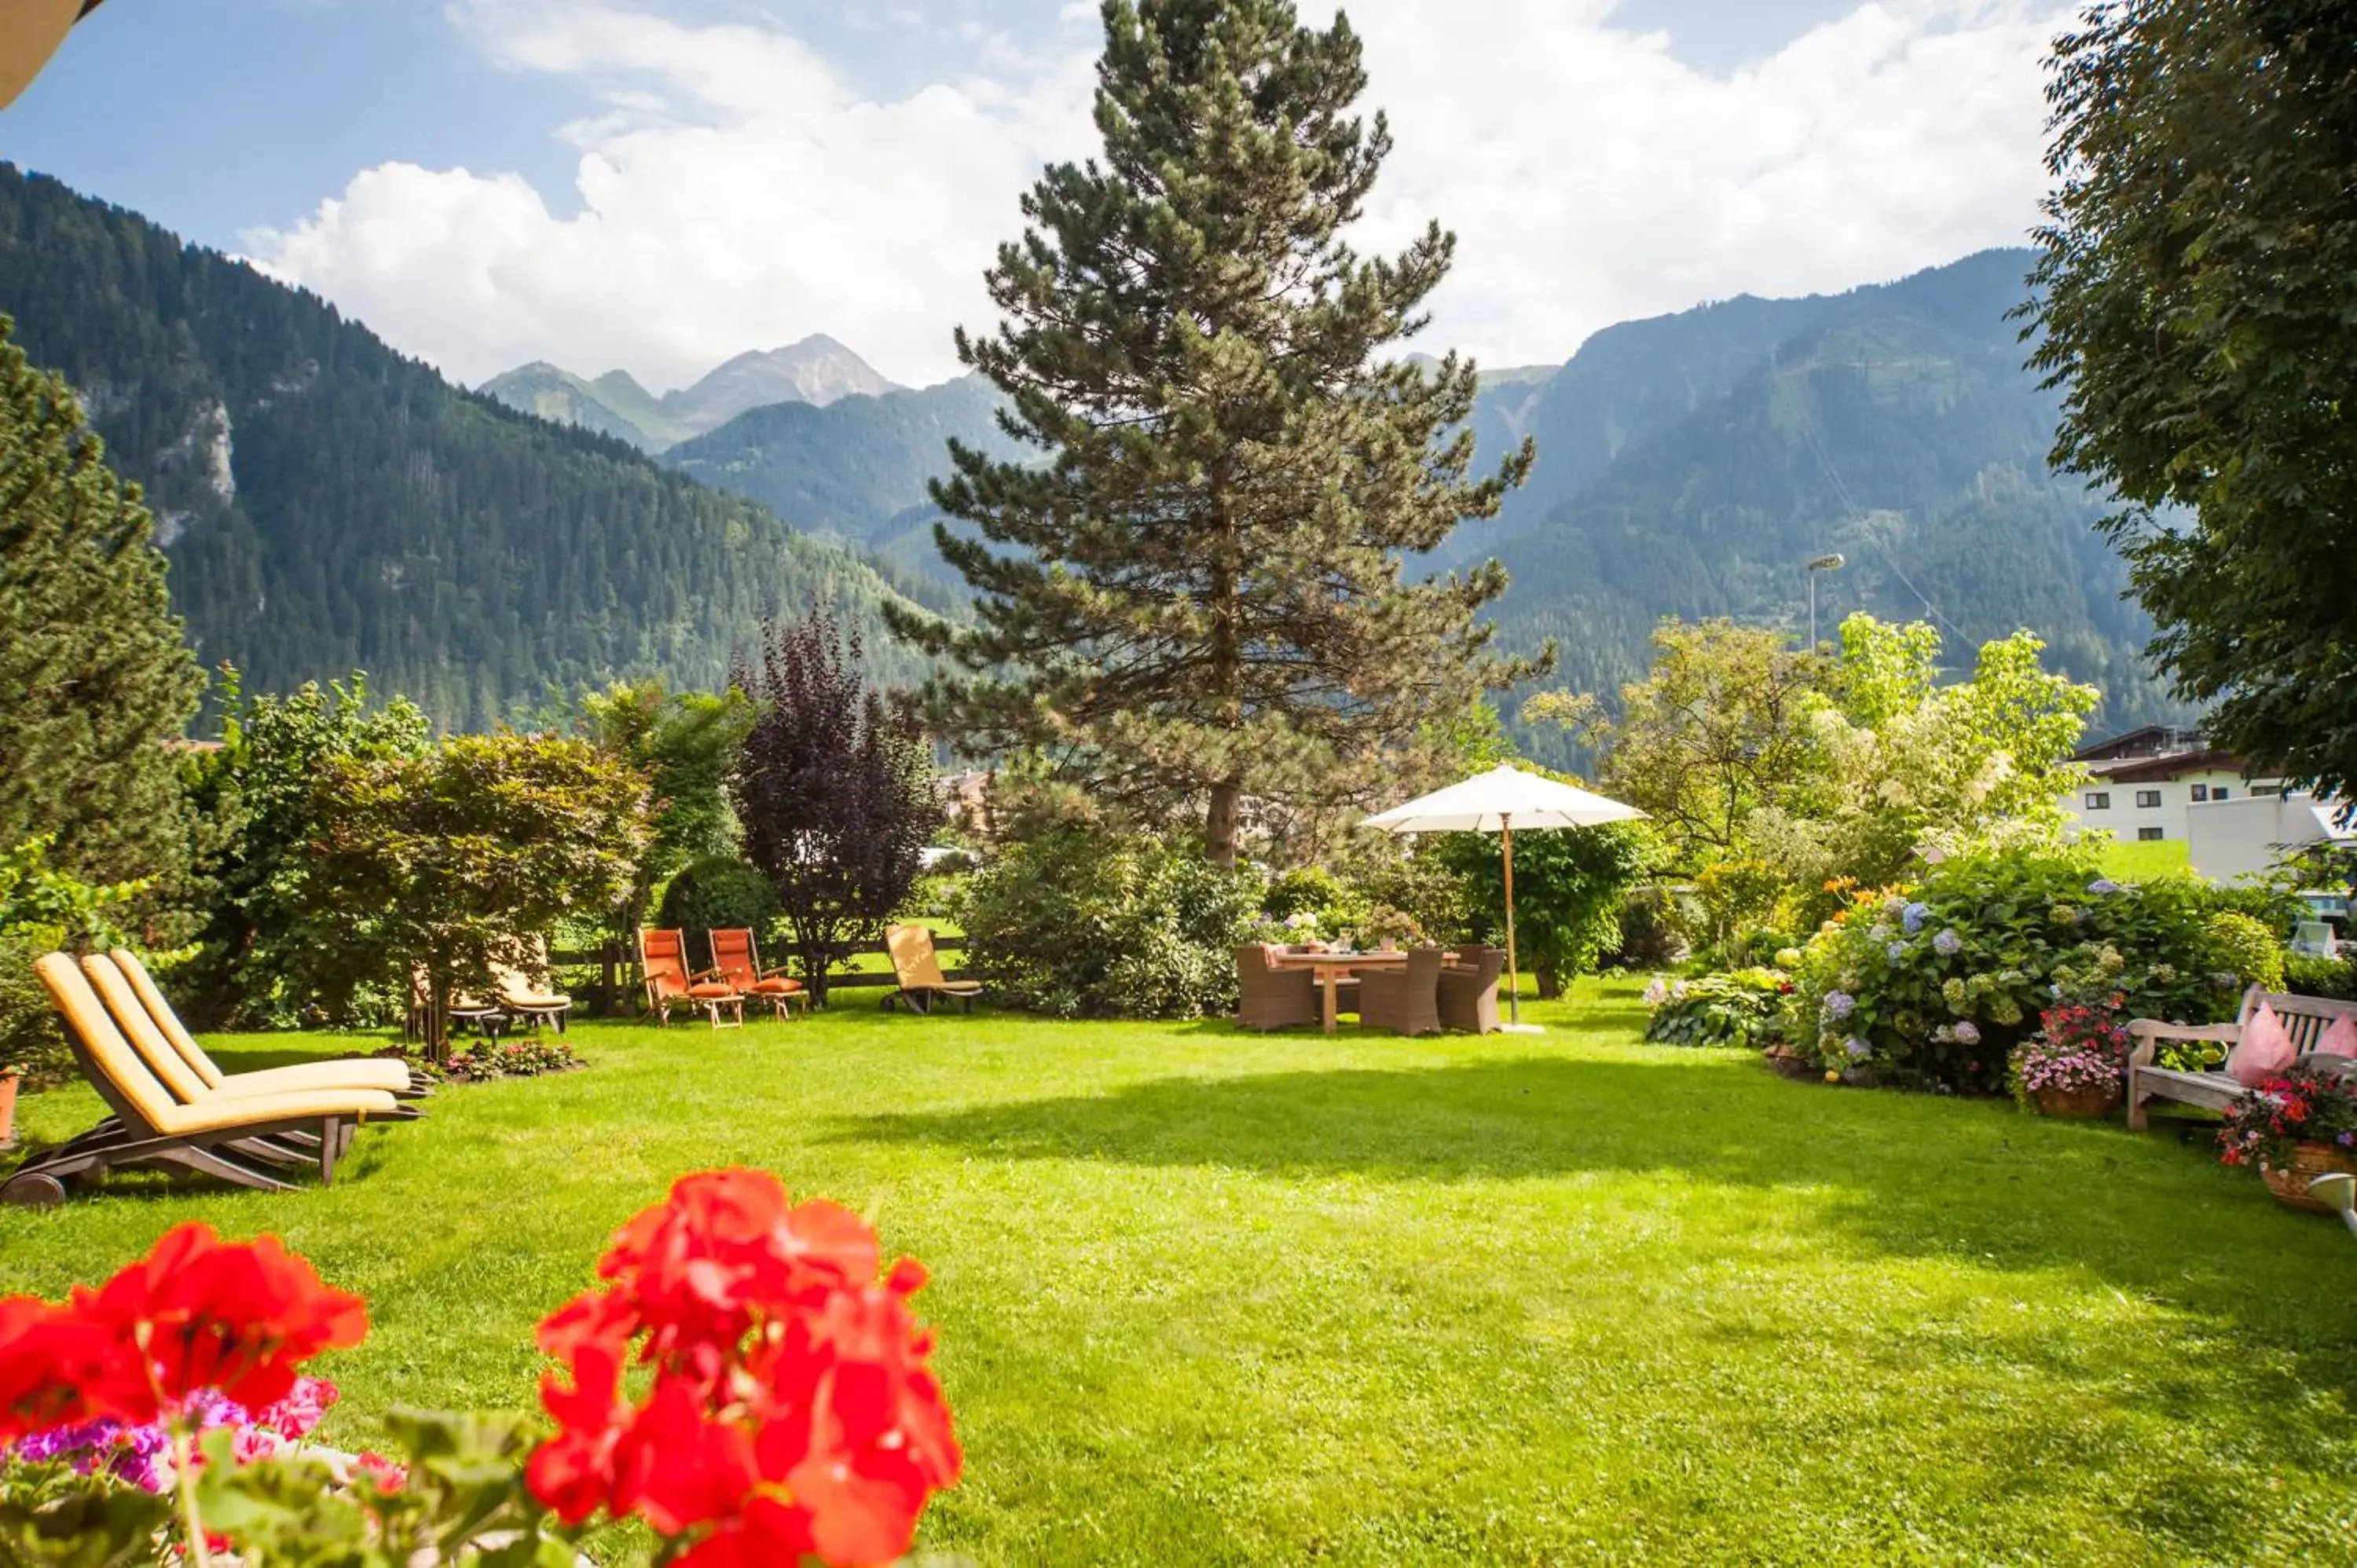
(618, 989)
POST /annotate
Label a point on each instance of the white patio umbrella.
(1499, 801)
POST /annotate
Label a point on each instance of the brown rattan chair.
(1273, 998)
(1406, 1000)
(1468, 989)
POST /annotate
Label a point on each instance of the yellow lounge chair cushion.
(302, 1077)
(230, 1111)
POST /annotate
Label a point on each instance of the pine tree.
(1201, 594)
(94, 678)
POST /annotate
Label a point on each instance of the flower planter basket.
(2308, 1162)
(2078, 1105)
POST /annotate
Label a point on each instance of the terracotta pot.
(1390, 945)
(2078, 1105)
(8, 1111)
(2308, 1161)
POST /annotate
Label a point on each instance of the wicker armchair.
(1468, 989)
(1273, 998)
(1404, 1001)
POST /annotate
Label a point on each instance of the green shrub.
(2242, 946)
(2307, 975)
(719, 894)
(1095, 924)
(1313, 890)
(1937, 986)
(1742, 1007)
(1657, 925)
(32, 1044)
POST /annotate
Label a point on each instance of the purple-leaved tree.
(833, 789)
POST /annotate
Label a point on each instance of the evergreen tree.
(94, 678)
(1201, 594)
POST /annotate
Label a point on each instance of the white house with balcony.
(2141, 786)
(2157, 784)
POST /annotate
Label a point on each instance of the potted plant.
(2294, 1128)
(2072, 1066)
(1392, 927)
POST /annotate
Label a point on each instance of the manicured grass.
(2134, 860)
(1214, 1298)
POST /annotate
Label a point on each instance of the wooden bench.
(2305, 1020)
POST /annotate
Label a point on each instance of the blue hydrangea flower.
(1947, 944)
(1839, 1004)
(1896, 952)
(1861, 1050)
(1913, 917)
(2103, 885)
(1968, 1032)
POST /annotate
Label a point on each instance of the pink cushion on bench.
(2262, 1051)
(2341, 1040)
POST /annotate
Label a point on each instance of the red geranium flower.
(55, 1370)
(793, 1412)
(200, 1313)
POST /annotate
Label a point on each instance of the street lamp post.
(1822, 564)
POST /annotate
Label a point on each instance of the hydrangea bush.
(1935, 986)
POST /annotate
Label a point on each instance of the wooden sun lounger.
(663, 966)
(736, 960)
(2305, 1020)
(919, 970)
(151, 1130)
(524, 992)
(395, 1078)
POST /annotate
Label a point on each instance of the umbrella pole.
(1513, 974)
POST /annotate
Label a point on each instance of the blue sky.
(660, 183)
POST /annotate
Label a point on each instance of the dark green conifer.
(94, 678)
(1200, 595)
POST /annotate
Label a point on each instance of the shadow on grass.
(1894, 1175)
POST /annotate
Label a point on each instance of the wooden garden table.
(1330, 967)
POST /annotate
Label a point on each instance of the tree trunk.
(438, 1017)
(1220, 825)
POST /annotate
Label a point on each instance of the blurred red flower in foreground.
(792, 1410)
(197, 1314)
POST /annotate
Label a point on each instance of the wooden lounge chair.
(1270, 997)
(1468, 989)
(736, 958)
(179, 1076)
(463, 1012)
(1406, 1001)
(663, 966)
(524, 992)
(152, 1131)
(2305, 1020)
(919, 970)
(395, 1078)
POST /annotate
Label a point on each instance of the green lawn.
(1214, 1298)
(2134, 860)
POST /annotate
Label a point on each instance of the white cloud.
(737, 191)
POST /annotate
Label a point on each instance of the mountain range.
(328, 504)
(816, 370)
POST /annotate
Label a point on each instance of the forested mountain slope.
(328, 504)
(855, 468)
(1693, 464)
